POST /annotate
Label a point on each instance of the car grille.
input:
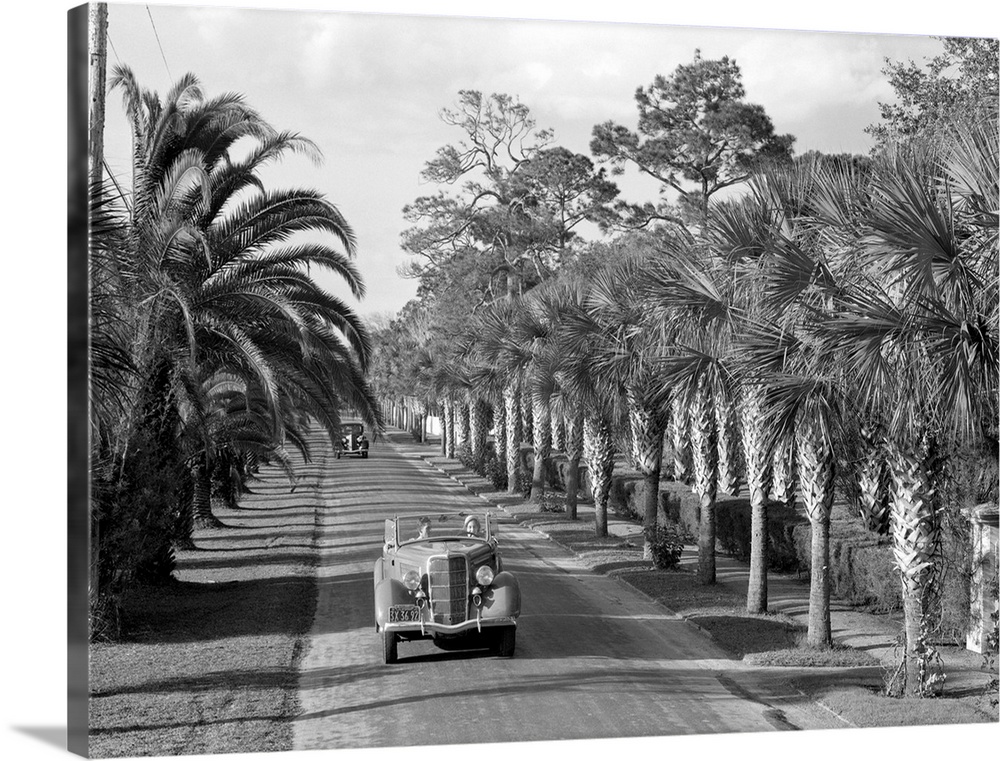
(448, 588)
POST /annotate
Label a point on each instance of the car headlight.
(411, 580)
(484, 575)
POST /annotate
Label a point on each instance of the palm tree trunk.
(500, 433)
(816, 473)
(559, 433)
(704, 451)
(476, 433)
(729, 479)
(916, 541)
(874, 500)
(783, 475)
(633, 458)
(574, 450)
(510, 402)
(647, 450)
(527, 422)
(449, 426)
(443, 415)
(758, 472)
(201, 497)
(480, 435)
(461, 424)
(680, 432)
(819, 633)
(542, 415)
(599, 451)
(421, 421)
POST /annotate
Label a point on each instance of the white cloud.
(602, 66)
(537, 73)
(321, 50)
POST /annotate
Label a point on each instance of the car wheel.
(338, 455)
(505, 641)
(390, 648)
(365, 455)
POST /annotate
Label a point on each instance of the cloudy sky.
(368, 88)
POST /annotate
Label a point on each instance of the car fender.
(503, 598)
(389, 592)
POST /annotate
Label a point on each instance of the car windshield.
(350, 428)
(461, 525)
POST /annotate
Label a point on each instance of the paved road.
(594, 658)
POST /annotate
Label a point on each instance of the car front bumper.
(428, 628)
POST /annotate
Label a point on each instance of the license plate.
(399, 614)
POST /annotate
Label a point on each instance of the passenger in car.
(425, 528)
(472, 527)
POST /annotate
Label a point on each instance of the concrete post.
(983, 601)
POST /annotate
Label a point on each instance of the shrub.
(552, 503)
(626, 492)
(469, 460)
(667, 543)
(496, 472)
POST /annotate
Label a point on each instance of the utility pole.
(98, 49)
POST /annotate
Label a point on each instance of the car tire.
(505, 641)
(390, 647)
(365, 455)
(338, 455)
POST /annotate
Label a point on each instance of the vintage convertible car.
(441, 577)
(353, 440)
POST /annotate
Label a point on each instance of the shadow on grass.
(617, 567)
(857, 696)
(742, 635)
(195, 612)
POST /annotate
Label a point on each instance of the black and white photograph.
(454, 379)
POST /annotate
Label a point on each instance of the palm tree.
(225, 424)
(918, 334)
(783, 261)
(599, 451)
(529, 332)
(810, 406)
(626, 358)
(214, 273)
(588, 400)
(574, 443)
(680, 440)
(494, 347)
(743, 234)
(553, 306)
(695, 305)
(210, 278)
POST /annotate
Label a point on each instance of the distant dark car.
(441, 577)
(353, 440)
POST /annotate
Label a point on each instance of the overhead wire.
(113, 50)
(159, 44)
